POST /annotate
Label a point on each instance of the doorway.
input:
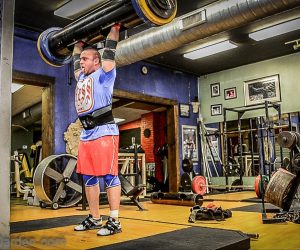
(152, 104)
(32, 124)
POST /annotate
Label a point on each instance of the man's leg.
(114, 196)
(92, 195)
(113, 188)
(92, 190)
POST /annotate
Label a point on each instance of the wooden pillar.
(6, 54)
(173, 148)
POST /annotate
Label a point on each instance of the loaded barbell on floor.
(55, 45)
(180, 199)
(199, 185)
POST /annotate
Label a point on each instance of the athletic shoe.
(111, 227)
(89, 223)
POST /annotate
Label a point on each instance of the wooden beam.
(120, 103)
(32, 79)
(47, 122)
(143, 97)
(173, 148)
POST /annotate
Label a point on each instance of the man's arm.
(76, 59)
(108, 56)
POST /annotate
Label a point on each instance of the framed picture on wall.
(262, 89)
(215, 89)
(216, 109)
(184, 110)
(230, 93)
(189, 142)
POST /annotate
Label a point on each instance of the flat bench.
(133, 192)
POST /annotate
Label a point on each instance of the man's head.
(90, 60)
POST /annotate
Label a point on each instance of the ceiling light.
(75, 8)
(276, 30)
(118, 120)
(210, 50)
(15, 87)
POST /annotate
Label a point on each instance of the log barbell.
(55, 44)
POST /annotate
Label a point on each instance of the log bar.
(55, 44)
(180, 199)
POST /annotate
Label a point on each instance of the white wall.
(288, 68)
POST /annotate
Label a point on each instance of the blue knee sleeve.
(90, 180)
(111, 180)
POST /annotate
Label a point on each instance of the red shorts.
(98, 157)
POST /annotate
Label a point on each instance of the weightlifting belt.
(97, 118)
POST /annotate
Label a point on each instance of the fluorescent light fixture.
(276, 30)
(210, 50)
(15, 87)
(118, 120)
(75, 8)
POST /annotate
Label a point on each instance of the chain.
(293, 216)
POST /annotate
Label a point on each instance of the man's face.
(89, 62)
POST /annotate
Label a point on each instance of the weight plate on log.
(199, 200)
(199, 185)
(147, 10)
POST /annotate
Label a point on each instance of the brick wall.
(147, 143)
(156, 123)
(146, 121)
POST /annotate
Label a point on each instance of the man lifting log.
(99, 140)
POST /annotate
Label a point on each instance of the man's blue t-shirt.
(94, 91)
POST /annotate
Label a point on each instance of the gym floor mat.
(188, 238)
(257, 208)
(254, 200)
(33, 225)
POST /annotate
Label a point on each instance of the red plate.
(260, 184)
(199, 185)
(256, 185)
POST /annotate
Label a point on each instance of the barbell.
(245, 130)
(180, 199)
(55, 44)
(199, 185)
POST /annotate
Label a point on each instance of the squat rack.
(264, 126)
